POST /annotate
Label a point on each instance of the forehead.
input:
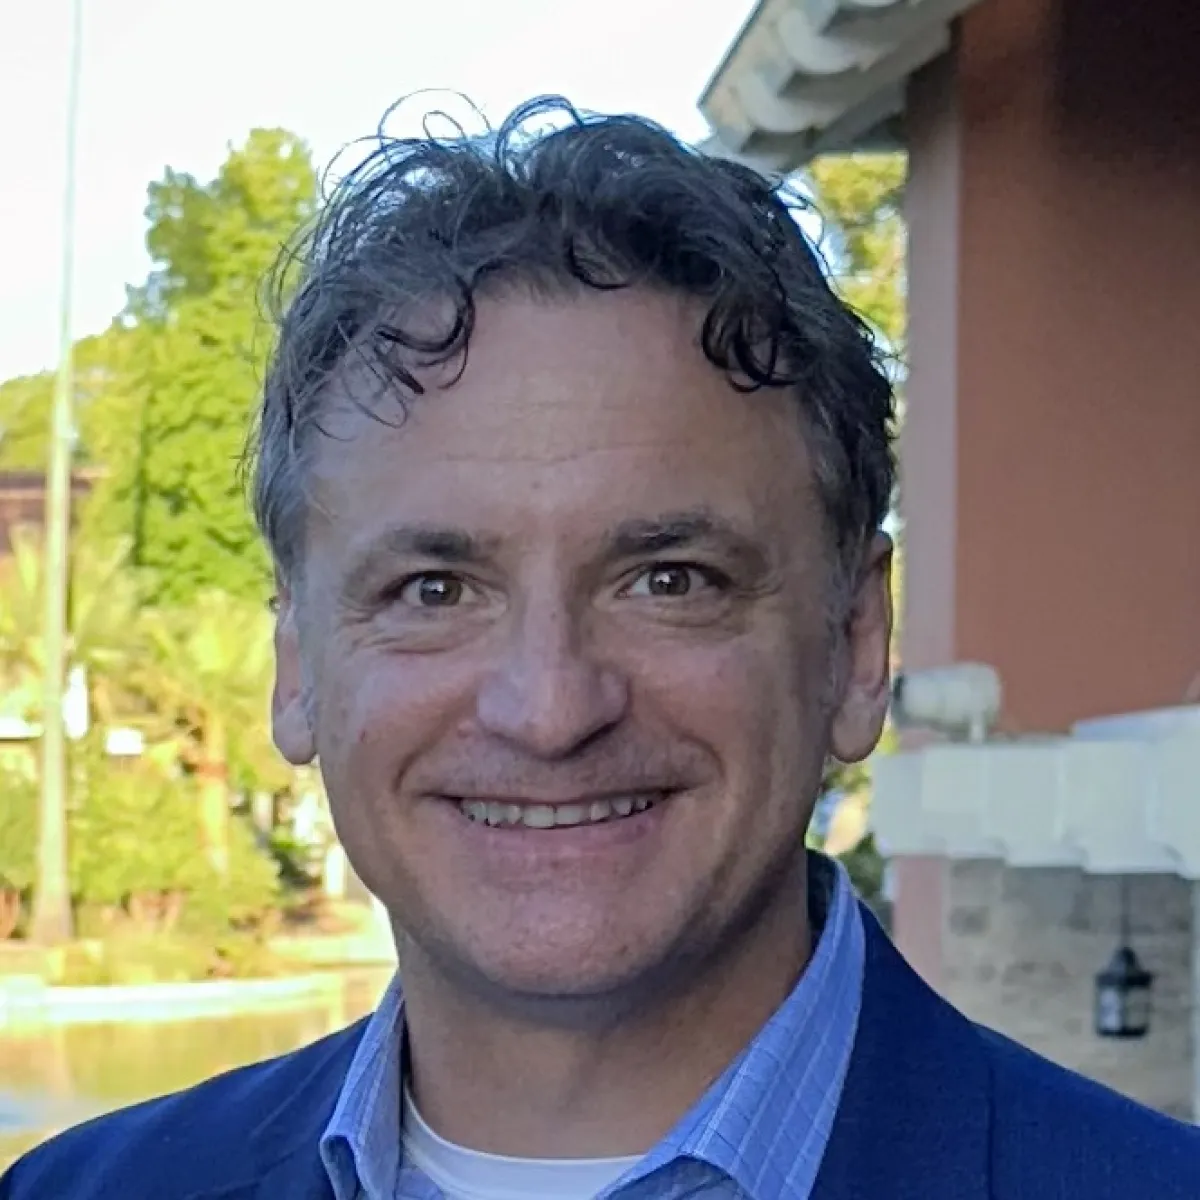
(568, 416)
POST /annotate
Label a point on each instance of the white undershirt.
(464, 1174)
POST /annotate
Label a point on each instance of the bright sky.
(168, 82)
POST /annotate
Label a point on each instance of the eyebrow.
(697, 528)
(639, 537)
(445, 545)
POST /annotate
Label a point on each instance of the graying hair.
(428, 225)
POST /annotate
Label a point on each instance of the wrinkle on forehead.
(518, 330)
(608, 391)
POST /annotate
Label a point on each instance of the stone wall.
(1022, 947)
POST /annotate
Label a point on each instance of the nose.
(549, 695)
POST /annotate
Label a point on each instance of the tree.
(860, 198)
(18, 842)
(105, 621)
(25, 405)
(193, 351)
(208, 678)
(24, 421)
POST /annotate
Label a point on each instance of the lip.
(522, 851)
(655, 794)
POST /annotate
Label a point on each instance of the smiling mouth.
(501, 814)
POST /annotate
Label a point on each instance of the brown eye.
(668, 580)
(433, 591)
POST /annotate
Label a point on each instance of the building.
(1051, 464)
(23, 500)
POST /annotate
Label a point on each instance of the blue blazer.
(934, 1108)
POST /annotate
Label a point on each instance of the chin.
(556, 968)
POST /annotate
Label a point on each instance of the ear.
(866, 658)
(291, 704)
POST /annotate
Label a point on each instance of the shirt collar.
(767, 1120)
(765, 1123)
(361, 1143)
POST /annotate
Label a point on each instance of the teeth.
(547, 816)
(536, 816)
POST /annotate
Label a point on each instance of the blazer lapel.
(300, 1176)
(285, 1145)
(914, 1120)
(913, 1124)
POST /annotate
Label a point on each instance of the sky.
(169, 83)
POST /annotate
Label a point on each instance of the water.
(54, 1077)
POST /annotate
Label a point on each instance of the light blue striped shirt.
(758, 1133)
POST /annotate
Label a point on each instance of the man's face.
(563, 648)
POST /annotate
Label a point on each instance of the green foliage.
(223, 236)
(162, 398)
(244, 901)
(99, 403)
(25, 422)
(860, 196)
(129, 956)
(18, 828)
(176, 672)
(191, 365)
(136, 847)
(133, 831)
(866, 866)
(105, 622)
(208, 670)
(299, 864)
(126, 956)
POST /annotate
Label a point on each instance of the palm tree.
(106, 623)
(208, 676)
(104, 640)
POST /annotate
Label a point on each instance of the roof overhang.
(808, 77)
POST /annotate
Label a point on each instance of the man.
(573, 470)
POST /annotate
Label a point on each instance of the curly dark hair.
(555, 200)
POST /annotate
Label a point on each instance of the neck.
(503, 1084)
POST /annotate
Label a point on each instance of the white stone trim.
(1120, 806)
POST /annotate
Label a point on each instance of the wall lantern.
(1124, 987)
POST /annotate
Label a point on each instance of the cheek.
(378, 711)
(763, 713)
(750, 699)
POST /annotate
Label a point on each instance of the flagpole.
(52, 897)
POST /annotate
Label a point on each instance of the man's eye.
(668, 580)
(432, 591)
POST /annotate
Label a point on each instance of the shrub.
(136, 846)
(18, 827)
(299, 863)
(245, 899)
(866, 867)
(132, 956)
(134, 838)
(18, 844)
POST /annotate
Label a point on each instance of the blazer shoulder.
(1055, 1133)
(189, 1142)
